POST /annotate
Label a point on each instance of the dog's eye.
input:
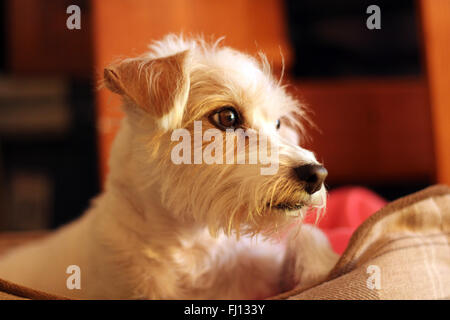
(278, 124)
(225, 118)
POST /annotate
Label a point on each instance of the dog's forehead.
(249, 84)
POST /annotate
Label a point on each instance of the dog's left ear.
(158, 86)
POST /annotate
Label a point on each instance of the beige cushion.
(407, 242)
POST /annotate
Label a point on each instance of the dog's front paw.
(308, 259)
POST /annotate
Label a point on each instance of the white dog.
(168, 230)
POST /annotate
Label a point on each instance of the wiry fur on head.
(180, 81)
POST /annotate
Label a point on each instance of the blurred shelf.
(34, 106)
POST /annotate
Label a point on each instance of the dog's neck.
(145, 214)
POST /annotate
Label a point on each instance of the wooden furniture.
(372, 131)
(39, 42)
(436, 31)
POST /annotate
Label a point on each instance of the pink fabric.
(347, 208)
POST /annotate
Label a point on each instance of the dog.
(167, 229)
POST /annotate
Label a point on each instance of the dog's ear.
(155, 85)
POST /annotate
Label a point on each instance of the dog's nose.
(312, 175)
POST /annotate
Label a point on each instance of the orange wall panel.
(436, 31)
(371, 130)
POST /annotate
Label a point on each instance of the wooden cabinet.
(372, 131)
(436, 31)
(39, 43)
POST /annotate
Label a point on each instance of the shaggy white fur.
(165, 231)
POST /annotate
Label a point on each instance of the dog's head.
(216, 137)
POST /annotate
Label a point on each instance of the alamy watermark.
(74, 20)
(74, 280)
(374, 20)
(374, 280)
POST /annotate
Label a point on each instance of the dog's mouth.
(297, 206)
(285, 206)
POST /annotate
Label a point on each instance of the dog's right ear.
(159, 86)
